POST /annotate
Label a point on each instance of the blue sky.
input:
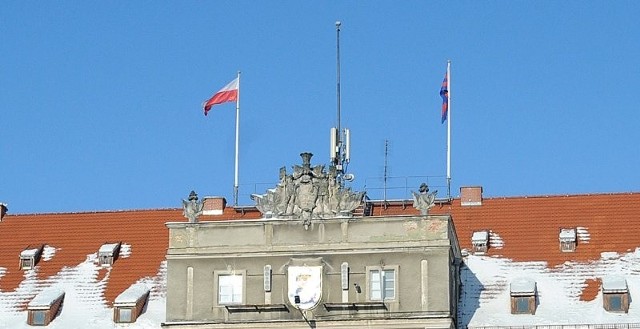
(101, 101)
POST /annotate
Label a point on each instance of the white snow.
(568, 234)
(46, 298)
(614, 283)
(48, 253)
(480, 236)
(485, 299)
(27, 253)
(108, 248)
(583, 235)
(84, 304)
(132, 294)
(125, 250)
(495, 241)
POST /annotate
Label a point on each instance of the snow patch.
(125, 250)
(48, 253)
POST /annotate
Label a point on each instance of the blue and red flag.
(444, 93)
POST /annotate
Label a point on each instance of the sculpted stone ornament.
(192, 208)
(424, 200)
(308, 193)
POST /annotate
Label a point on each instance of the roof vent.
(567, 239)
(108, 253)
(471, 196)
(213, 205)
(480, 241)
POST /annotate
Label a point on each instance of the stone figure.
(192, 208)
(308, 193)
(424, 200)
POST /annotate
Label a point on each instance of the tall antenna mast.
(338, 74)
(340, 140)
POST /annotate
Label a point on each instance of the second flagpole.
(235, 182)
(449, 129)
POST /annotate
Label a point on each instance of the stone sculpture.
(192, 208)
(424, 200)
(308, 193)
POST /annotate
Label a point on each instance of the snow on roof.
(568, 234)
(48, 253)
(614, 283)
(46, 298)
(480, 236)
(28, 253)
(132, 294)
(583, 235)
(108, 248)
(125, 250)
(84, 303)
(523, 286)
(486, 299)
(495, 240)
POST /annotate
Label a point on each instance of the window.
(382, 284)
(230, 288)
(523, 296)
(125, 315)
(39, 317)
(26, 263)
(521, 305)
(615, 294)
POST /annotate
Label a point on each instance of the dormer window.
(108, 253)
(567, 239)
(44, 307)
(480, 241)
(30, 257)
(615, 294)
(523, 296)
(130, 303)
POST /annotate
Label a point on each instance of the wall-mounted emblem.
(305, 286)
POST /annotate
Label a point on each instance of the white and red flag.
(228, 93)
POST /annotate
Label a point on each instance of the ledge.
(354, 306)
(257, 308)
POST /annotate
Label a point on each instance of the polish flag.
(227, 94)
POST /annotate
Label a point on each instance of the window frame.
(119, 314)
(243, 279)
(383, 287)
(26, 263)
(35, 319)
(624, 302)
(519, 300)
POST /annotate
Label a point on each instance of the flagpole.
(235, 182)
(449, 129)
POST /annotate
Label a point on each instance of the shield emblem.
(305, 286)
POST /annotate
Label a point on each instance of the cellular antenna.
(340, 139)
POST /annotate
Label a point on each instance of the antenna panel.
(347, 145)
(334, 144)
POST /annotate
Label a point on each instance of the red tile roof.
(526, 227)
(76, 235)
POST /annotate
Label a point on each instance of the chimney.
(3, 210)
(213, 205)
(471, 196)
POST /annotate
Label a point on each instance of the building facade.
(363, 272)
